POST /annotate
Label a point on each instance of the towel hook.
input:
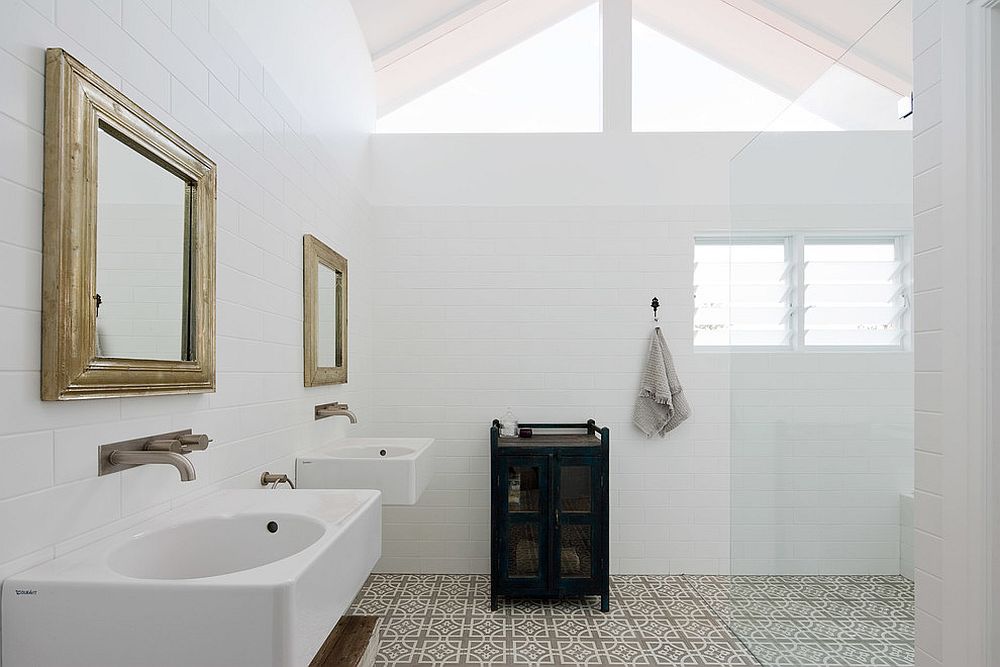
(655, 305)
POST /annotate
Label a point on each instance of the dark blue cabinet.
(550, 512)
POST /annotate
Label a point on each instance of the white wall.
(516, 271)
(185, 64)
(929, 295)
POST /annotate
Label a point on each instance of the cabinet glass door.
(576, 520)
(525, 486)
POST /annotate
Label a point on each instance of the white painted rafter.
(432, 32)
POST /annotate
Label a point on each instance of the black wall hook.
(655, 305)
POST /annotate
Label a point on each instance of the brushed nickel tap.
(166, 449)
(274, 479)
(335, 410)
(179, 461)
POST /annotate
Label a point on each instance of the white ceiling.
(785, 45)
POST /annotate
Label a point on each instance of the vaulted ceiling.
(785, 45)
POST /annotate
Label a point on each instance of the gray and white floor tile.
(438, 620)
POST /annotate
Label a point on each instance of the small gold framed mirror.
(324, 289)
(128, 268)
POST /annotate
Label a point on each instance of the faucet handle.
(184, 444)
(167, 445)
(194, 443)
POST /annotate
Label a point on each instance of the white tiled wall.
(929, 239)
(906, 535)
(181, 61)
(545, 310)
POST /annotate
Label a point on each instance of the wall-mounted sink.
(214, 546)
(239, 578)
(401, 468)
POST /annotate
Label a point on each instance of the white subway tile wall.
(546, 310)
(906, 535)
(278, 178)
(929, 237)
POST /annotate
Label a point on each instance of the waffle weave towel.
(661, 405)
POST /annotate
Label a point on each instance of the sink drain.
(272, 526)
(382, 452)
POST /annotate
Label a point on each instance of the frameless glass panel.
(575, 549)
(821, 439)
(523, 550)
(328, 318)
(523, 490)
(574, 488)
(142, 300)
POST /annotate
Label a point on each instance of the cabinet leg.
(606, 603)
(494, 603)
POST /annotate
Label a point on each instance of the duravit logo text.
(25, 591)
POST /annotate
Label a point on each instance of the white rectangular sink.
(401, 468)
(245, 577)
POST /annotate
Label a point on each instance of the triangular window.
(678, 89)
(550, 82)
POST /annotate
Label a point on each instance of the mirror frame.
(314, 253)
(77, 102)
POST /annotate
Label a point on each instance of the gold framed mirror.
(324, 306)
(128, 267)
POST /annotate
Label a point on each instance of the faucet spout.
(335, 410)
(179, 461)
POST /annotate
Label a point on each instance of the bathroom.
(502, 189)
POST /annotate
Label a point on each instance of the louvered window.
(742, 293)
(798, 292)
(854, 292)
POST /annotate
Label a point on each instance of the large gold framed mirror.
(128, 269)
(324, 276)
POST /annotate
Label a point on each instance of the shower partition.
(821, 381)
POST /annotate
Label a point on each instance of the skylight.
(550, 82)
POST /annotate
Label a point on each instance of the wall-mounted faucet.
(166, 449)
(274, 479)
(335, 410)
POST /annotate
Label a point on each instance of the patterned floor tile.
(438, 620)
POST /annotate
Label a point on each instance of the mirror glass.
(328, 334)
(142, 255)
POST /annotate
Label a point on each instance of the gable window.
(676, 88)
(800, 292)
(549, 82)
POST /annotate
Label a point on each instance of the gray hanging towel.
(660, 406)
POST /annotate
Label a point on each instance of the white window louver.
(742, 293)
(854, 292)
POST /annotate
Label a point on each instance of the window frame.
(795, 243)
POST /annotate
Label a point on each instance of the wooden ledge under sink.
(353, 642)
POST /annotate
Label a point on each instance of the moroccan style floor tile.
(704, 621)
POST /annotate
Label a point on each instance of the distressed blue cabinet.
(550, 512)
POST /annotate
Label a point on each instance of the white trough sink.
(247, 577)
(401, 468)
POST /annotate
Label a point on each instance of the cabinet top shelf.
(552, 440)
(553, 435)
